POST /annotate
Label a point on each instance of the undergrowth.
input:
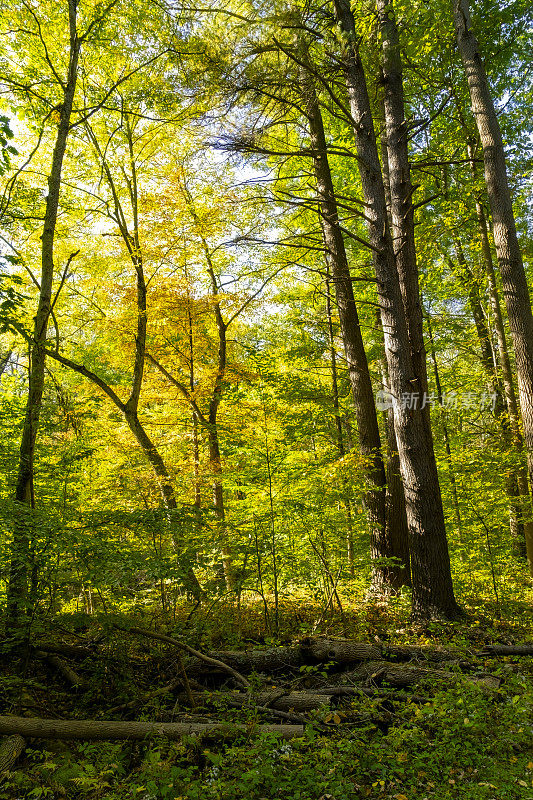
(459, 741)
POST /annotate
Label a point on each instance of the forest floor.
(320, 705)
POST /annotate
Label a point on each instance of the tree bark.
(378, 672)
(401, 191)
(10, 749)
(277, 659)
(106, 730)
(430, 563)
(4, 361)
(509, 256)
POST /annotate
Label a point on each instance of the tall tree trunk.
(396, 514)
(430, 563)
(361, 384)
(214, 447)
(215, 463)
(508, 252)
(401, 191)
(24, 494)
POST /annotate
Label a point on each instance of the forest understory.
(362, 703)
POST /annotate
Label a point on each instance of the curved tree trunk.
(24, 494)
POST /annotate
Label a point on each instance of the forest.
(266, 400)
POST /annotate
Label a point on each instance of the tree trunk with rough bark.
(396, 528)
(440, 398)
(401, 191)
(109, 730)
(509, 256)
(430, 563)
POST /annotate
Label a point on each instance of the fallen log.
(282, 701)
(340, 651)
(281, 659)
(413, 653)
(345, 651)
(508, 650)
(67, 650)
(320, 651)
(400, 675)
(10, 750)
(278, 659)
(385, 694)
(64, 669)
(104, 730)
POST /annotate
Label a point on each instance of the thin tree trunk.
(346, 500)
(396, 528)
(214, 447)
(430, 563)
(194, 418)
(516, 521)
(214, 403)
(4, 361)
(516, 291)
(24, 492)
(361, 384)
(440, 398)
(218, 505)
(507, 378)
